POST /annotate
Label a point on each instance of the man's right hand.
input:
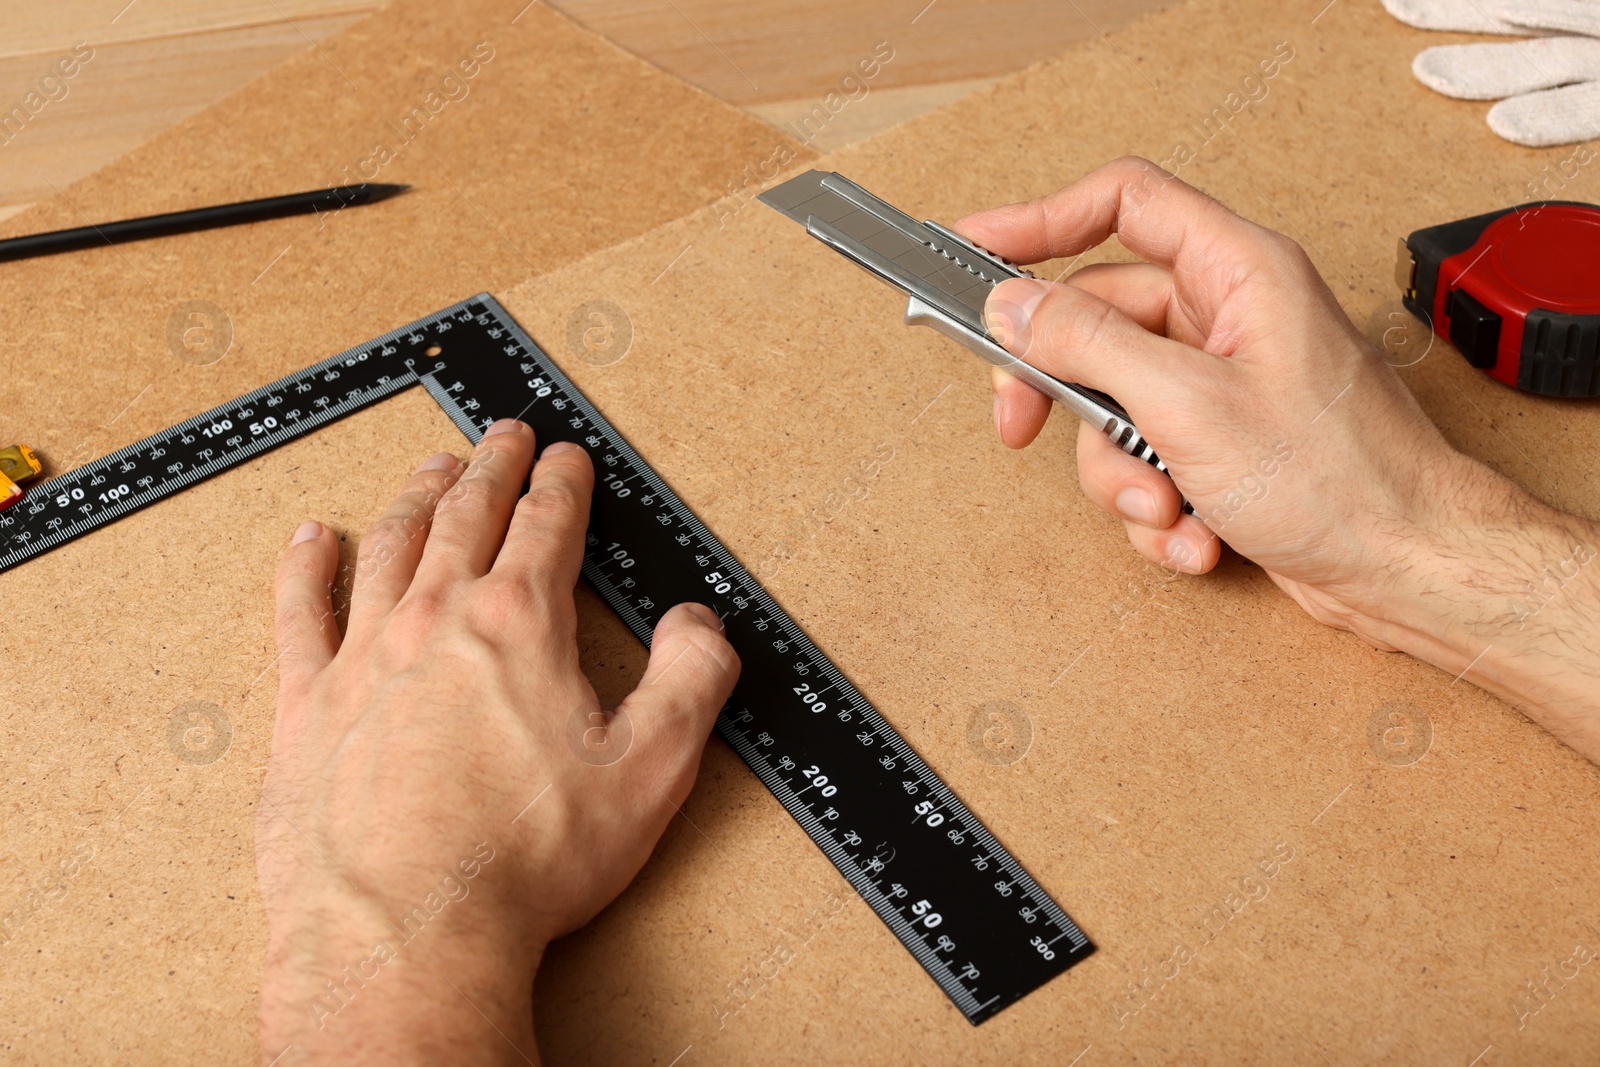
(1294, 441)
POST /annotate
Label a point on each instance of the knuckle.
(473, 492)
(392, 532)
(1076, 322)
(298, 617)
(298, 567)
(421, 499)
(536, 614)
(550, 500)
(421, 609)
(576, 459)
(714, 651)
(492, 456)
(1289, 252)
(430, 483)
(1136, 172)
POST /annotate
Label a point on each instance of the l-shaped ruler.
(962, 905)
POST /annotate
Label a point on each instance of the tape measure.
(18, 465)
(962, 905)
(1517, 292)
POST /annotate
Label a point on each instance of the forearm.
(368, 991)
(1499, 589)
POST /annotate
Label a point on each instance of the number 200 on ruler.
(959, 902)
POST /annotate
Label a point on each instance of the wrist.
(1456, 571)
(1495, 587)
(344, 976)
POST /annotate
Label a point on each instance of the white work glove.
(1548, 87)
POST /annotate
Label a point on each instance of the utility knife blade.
(946, 278)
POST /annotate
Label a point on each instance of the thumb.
(1076, 336)
(691, 672)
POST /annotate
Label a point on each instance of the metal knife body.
(947, 279)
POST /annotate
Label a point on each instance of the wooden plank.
(27, 29)
(129, 91)
(779, 49)
(159, 60)
(859, 119)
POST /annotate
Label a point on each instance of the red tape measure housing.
(1517, 292)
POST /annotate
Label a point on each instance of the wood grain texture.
(159, 60)
(778, 49)
(28, 29)
(129, 92)
(858, 119)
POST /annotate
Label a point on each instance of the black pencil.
(204, 218)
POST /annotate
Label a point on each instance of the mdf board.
(765, 51)
(1191, 766)
(1170, 739)
(157, 61)
(549, 143)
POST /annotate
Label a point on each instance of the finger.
(1142, 291)
(390, 551)
(1074, 335)
(1129, 488)
(1149, 504)
(1155, 215)
(544, 546)
(307, 635)
(1020, 410)
(470, 520)
(1185, 547)
(691, 671)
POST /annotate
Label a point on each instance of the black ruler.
(938, 879)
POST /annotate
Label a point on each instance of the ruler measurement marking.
(490, 363)
(865, 886)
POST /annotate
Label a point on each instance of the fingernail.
(1001, 321)
(705, 615)
(998, 406)
(1006, 312)
(1137, 505)
(555, 448)
(439, 461)
(504, 426)
(306, 532)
